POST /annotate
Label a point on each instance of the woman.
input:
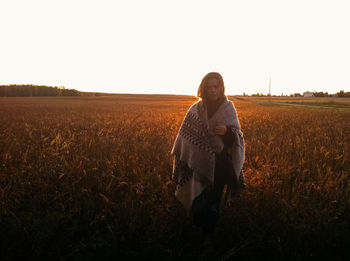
(208, 154)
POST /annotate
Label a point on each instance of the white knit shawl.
(196, 145)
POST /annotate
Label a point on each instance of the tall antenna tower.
(270, 86)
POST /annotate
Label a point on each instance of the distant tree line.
(17, 90)
(341, 93)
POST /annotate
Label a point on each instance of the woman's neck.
(212, 106)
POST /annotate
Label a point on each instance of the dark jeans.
(206, 207)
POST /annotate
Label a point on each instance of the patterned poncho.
(195, 147)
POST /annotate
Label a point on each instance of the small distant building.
(297, 94)
(308, 94)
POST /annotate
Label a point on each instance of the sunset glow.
(168, 46)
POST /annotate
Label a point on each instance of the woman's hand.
(220, 129)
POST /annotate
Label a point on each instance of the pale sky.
(163, 46)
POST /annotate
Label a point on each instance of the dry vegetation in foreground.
(87, 178)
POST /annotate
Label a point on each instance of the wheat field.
(88, 178)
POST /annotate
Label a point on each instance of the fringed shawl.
(195, 147)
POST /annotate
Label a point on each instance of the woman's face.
(213, 89)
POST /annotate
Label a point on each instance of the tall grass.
(88, 178)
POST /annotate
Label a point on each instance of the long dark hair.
(202, 89)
